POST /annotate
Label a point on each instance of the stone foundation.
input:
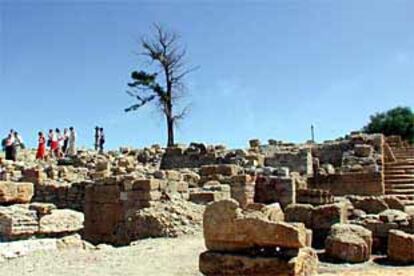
(341, 184)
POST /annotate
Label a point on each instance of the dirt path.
(152, 257)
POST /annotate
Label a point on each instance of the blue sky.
(268, 69)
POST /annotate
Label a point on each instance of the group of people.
(60, 144)
(11, 144)
(99, 139)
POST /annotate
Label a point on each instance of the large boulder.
(349, 243)
(401, 247)
(303, 262)
(61, 221)
(228, 228)
(15, 192)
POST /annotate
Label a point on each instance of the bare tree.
(164, 86)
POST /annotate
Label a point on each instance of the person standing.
(101, 140)
(65, 141)
(41, 148)
(97, 134)
(71, 151)
(18, 140)
(10, 148)
(59, 137)
(53, 141)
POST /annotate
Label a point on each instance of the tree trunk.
(170, 129)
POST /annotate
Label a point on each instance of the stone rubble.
(261, 208)
(250, 242)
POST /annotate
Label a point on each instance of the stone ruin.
(22, 219)
(254, 242)
(266, 206)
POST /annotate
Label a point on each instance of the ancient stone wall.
(270, 189)
(63, 195)
(314, 196)
(194, 156)
(340, 184)
(112, 202)
(298, 161)
(331, 153)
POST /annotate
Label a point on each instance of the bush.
(396, 121)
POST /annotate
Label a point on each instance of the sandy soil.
(152, 257)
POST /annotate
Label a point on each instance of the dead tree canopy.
(163, 85)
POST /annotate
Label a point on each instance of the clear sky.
(268, 69)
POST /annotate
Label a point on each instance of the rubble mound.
(166, 219)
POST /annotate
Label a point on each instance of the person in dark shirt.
(101, 140)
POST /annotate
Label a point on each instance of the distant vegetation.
(396, 121)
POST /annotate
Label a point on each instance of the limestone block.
(299, 213)
(146, 184)
(214, 263)
(15, 192)
(226, 228)
(349, 243)
(17, 221)
(363, 150)
(324, 216)
(369, 204)
(61, 221)
(401, 247)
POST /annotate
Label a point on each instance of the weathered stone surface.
(269, 189)
(401, 247)
(314, 196)
(226, 228)
(391, 215)
(210, 193)
(324, 216)
(273, 212)
(73, 242)
(349, 243)
(242, 189)
(214, 263)
(164, 219)
(393, 202)
(61, 221)
(299, 213)
(227, 170)
(42, 208)
(17, 221)
(369, 204)
(10, 250)
(363, 150)
(15, 192)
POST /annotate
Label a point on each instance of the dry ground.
(151, 257)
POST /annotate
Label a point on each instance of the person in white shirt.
(71, 151)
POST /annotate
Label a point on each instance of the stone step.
(399, 176)
(399, 167)
(399, 181)
(408, 202)
(399, 186)
(409, 209)
(405, 197)
(400, 162)
(394, 171)
(399, 191)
